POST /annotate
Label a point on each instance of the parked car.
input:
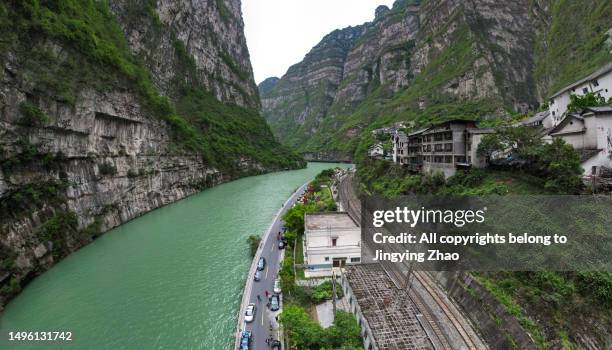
(281, 245)
(257, 276)
(245, 340)
(275, 345)
(274, 303)
(261, 264)
(249, 314)
(277, 286)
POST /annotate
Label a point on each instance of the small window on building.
(355, 260)
(327, 258)
(553, 113)
(595, 82)
(334, 241)
(593, 170)
(585, 91)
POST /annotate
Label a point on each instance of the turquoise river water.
(171, 279)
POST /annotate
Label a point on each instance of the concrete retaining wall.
(498, 327)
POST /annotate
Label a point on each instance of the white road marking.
(262, 316)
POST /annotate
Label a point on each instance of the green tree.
(304, 333)
(489, 144)
(345, 333)
(294, 217)
(587, 100)
(253, 241)
(561, 163)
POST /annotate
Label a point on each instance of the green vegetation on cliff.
(574, 45)
(226, 135)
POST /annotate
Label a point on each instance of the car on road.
(274, 303)
(245, 340)
(277, 286)
(249, 314)
(261, 264)
(275, 345)
(281, 245)
(257, 276)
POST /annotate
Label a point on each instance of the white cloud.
(281, 32)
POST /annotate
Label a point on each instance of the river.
(170, 279)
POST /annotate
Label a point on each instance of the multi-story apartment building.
(442, 147)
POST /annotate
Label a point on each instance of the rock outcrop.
(424, 61)
(87, 140)
(303, 96)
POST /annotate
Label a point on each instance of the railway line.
(420, 289)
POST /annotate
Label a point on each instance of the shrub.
(253, 241)
(587, 100)
(324, 291)
(562, 165)
(107, 169)
(32, 115)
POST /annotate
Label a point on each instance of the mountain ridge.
(427, 61)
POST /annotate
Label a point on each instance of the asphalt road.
(263, 316)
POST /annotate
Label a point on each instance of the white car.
(249, 314)
(277, 286)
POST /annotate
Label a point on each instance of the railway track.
(438, 337)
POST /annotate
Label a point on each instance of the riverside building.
(331, 240)
(443, 147)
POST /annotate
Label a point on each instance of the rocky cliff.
(299, 101)
(425, 61)
(108, 111)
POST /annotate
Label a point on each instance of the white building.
(598, 83)
(376, 151)
(400, 147)
(590, 132)
(543, 120)
(331, 240)
(473, 140)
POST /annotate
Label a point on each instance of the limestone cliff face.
(303, 96)
(82, 146)
(212, 31)
(423, 61)
(380, 57)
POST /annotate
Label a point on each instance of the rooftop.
(320, 221)
(481, 131)
(600, 109)
(390, 314)
(538, 117)
(601, 71)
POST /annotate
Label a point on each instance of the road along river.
(170, 279)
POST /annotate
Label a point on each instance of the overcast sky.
(281, 32)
